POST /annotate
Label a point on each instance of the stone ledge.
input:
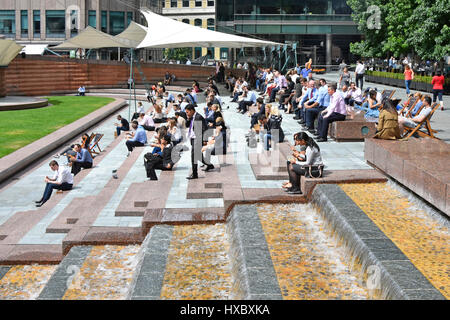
(20, 159)
(398, 274)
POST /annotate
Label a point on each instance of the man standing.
(138, 140)
(197, 127)
(63, 180)
(83, 160)
(359, 74)
(336, 111)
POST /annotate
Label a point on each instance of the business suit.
(160, 162)
(196, 133)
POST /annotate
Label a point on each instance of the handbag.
(314, 171)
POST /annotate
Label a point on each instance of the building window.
(210, 3)
(116, 22)
(104, 21)
(37, 23)
(24, 23)
(8, 23)
(173, 3)
(210, 24)
(197, 52)
(56, 23)
(185, 21)
(92, 18)
(129, 18)
(73, 23)
(185, 3)
(223, 53)
(198, 22)
(198, 3)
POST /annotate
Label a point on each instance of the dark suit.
(198, 127)
(160, 162)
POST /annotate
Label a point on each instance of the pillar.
(329, 46)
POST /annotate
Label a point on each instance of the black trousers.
(195, 155)
(132, 144)
(76, 166)
(295, 172)
(155, 164)
(360, 80)
(243, 105)
(148, 128)
(324, 123)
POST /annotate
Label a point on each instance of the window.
(185, 3)
(198, 22)
(92, 18)
(116, 22)
(37, 23)
(210, 3)
(56, 23)
(8, 23)
(198, 3)
(24, 23)
(73, 23)
(197, 52)
(173, 3)
(104, 21)
(223, 53)
(129, 18)
(210, 24)
(185, 21)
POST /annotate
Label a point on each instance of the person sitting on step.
(139, 138)
(124, 125)
(161, 160)
(62, 180)
(82, 160)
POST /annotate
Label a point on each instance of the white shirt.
(146, 121)
(294, 78)
(63, 174)
(360, 68)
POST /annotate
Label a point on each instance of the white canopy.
(168, 33)
(34, 49)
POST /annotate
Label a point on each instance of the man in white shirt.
(62, 180)
(354, 95)
(146, 122)
(359, 74)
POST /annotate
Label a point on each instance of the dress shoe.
(295, 191)
(208, 168)
(38, 205)
(311, 131)
(296, 118)
(37, 202)
(288, 189)
(192, 176)
(321, 140)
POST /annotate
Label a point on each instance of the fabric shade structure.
(91, 38)
(168, 33)
(9, 49)
(133, 35)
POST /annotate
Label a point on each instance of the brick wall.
(2, 82)
(33, 76)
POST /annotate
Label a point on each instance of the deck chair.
(426, 123)
(95, 139)
(409, 105)
(409, 113)
(387, 94)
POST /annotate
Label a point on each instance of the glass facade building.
(322, 29)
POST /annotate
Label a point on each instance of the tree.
(430, 29)
(180, 54)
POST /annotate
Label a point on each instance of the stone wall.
(53, 75)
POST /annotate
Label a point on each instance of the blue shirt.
(416, 108)
(84, 156)
(308, 95)
(251, 96)
(140, 135)
(323, 97)
(305, 72)
(170, 97)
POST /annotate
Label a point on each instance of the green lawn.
(22, 127)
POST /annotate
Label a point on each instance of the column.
(2, 82)
(329, 46)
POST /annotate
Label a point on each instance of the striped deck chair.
(428, 132)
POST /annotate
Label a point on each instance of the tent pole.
(134, 87)
(130, 83)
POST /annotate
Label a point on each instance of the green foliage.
(417, 78)
(181, 54)
(21, 127)
(406, 26)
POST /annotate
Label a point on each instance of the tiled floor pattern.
(308, 262)
(106, 274)
(25, 282)
(419, 235)
(198, 266)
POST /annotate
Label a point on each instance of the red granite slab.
(28, 254)
(352, 130)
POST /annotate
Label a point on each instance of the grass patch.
(22, 127)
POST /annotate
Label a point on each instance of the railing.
(293, 17)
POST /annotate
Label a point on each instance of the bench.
(356, 129)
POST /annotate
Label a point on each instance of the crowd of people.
(262, 94)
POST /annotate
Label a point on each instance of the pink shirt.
(337, 104)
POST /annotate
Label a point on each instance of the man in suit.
(196, 126)
(161, 161)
